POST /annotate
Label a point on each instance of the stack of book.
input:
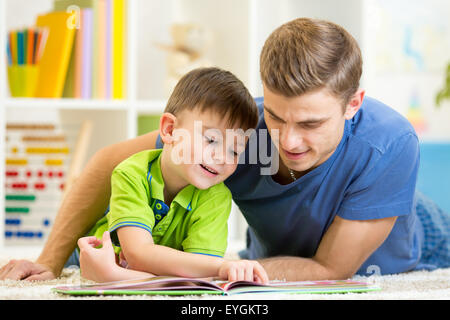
(97, 66)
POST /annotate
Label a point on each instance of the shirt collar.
(156, 181)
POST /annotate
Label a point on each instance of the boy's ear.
(166, 127)
(354, 104)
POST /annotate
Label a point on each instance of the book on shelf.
(162, 285)
(98, 67)
(55, 58)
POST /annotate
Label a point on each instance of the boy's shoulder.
(218, 192)
(137, 164)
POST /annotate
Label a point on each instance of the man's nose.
(290, 138)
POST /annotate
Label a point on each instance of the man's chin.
(298, 166)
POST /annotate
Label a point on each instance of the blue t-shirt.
(371, 175)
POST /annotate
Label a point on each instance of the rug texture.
(421, 285)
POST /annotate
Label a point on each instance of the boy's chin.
(203, 185)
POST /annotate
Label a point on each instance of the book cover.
(86, 52)
(100, 75)
(162, 285)
(108, 58)
(55, 58)
(76, 85)
(118, 40)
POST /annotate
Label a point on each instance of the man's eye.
(311, 126)
(274, 117)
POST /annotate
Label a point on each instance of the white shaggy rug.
(413, 285)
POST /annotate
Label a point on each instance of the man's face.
(310, 127)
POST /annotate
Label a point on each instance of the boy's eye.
(210, 140)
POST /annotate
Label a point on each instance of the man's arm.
(343, 249)
(82, 206)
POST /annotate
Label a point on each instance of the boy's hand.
(247, 270)
(97, 264)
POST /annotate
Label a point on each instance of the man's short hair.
(308, 54)
(216, 90)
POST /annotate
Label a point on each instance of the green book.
(188, 286)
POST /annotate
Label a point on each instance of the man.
(343, 199)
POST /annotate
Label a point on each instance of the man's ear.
(166, 127)
(354, 104)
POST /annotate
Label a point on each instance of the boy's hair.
(307, 54)
(216, 90)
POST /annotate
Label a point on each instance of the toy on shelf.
(188, 51)
(41, 160)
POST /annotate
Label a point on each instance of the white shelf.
(150, 106)
(67, 104)
(141, 106)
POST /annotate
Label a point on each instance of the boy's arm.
(142, 254)
(83, 205)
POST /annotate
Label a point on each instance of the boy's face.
(206, 150)
(310, 126)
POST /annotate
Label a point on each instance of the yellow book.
(55, 59)
(118, 63)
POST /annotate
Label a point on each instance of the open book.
(188, 286)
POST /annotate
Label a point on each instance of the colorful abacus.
(37, 157)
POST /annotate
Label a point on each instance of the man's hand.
(247, 270)
(25, 270)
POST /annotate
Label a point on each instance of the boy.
(169, 208)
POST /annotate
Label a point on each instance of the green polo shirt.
(196, 220)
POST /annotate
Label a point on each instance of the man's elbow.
(340, 274)
(331, 272)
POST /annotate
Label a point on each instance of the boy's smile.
(209, 171)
